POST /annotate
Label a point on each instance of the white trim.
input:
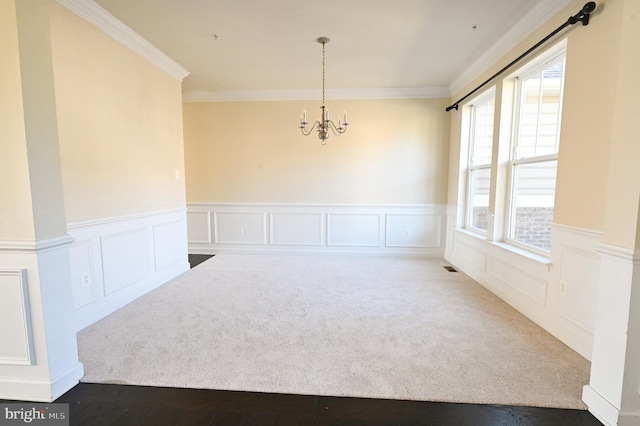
(417, 238)
(20, 276)
(118, 219)
(39, 390)
(540, 13)
(37, 246)
(531, 283)
(116, 29)
(298, 95)
(598, 405)
(589, 233)
(304, 206)
(115, 280)
(627, 254)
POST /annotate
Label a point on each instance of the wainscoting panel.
(413, 230)
(125, 258)
(167, 251)
(529, 285)
(81, 258)
(317, 228)
(116, 260)
(353, 229)
(199, 227)
(17, 340)
(296, 229)
(577, 275)
(472, 255)
(240, 228)
(558, 293)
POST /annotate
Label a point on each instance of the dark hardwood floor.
(196, 259)
(106, 404)
(101, 404)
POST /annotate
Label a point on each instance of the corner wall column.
(38, 355)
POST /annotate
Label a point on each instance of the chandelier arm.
(308, 132)
(336, 130)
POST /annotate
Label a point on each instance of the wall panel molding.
(116, 260)
(199, 227)
(354, 229)
(296, 229)
(17, 341)
(240, 227)
(559, 293)
(317, 228)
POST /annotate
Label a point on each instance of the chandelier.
(324, 124)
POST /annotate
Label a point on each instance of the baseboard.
(395, 230)
(602, 409)
(28, 389)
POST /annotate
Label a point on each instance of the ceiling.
(270, 45)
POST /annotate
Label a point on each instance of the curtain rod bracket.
(582, 16)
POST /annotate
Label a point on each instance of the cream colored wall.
(623, 191)
(16, 213)
(120, 125)
(592, 55)
(587, 119)
(395, 152)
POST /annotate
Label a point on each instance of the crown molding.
(303, 95)
(540, 13)
(116, 29)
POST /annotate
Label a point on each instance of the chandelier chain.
(323, 44)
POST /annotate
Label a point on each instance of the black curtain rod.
(581, 16)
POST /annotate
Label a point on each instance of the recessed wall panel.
(578, 287)
(296, 229)
(125, 259)
(82, 278)
(168, 243)
(518, 279)
(413, 230)
(199, 227)
(15, 318)
(353, 229)
(240, 228)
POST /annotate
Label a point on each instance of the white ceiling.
(270, 45)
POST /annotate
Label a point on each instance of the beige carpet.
(346, 326)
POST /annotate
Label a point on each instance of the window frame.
(514, 161)
(486, 97)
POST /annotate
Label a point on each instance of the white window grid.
(479, 161)
(520, 158)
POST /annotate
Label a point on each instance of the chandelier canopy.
(323, 125)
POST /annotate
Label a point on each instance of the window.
(479, 166)
(509, 166)
(534, 157)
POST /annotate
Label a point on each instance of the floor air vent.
(450, 268)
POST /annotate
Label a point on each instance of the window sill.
(500, 245)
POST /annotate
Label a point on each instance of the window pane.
(533, 201)
(540, 110)
(482, 132)
(478, 216)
